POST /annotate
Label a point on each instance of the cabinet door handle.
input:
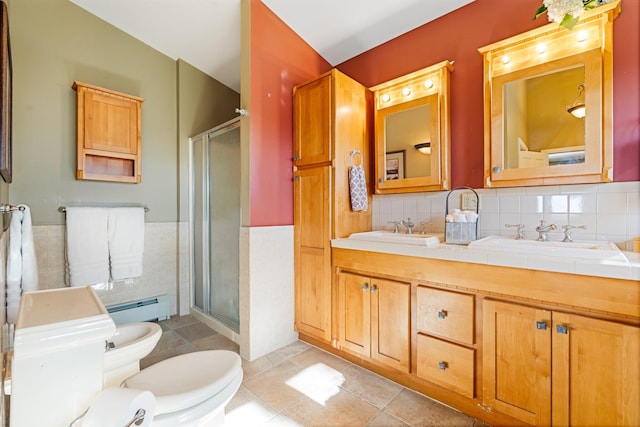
(442, 314)
(296, 157)
(562, 329)
(374, 288)
(365, 286)
(443, 365)
(541, 325)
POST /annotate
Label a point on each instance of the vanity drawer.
(446, 364)
(444, 313)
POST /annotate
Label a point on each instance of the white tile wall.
(610, 211)
(161, 274)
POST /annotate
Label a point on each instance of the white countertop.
(617, 269)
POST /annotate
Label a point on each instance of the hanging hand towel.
(358, 189)
(126, 242)
(87, 246)
(22, 266)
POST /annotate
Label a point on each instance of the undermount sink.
(578, 249)
(385, 236)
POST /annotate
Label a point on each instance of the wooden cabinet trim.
(588, 294)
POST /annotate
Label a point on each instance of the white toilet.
(191, 389)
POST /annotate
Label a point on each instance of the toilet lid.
(183, 381)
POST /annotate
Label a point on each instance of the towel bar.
(63, 209)
(6, 208)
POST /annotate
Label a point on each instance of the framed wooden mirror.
(548, 104)
(412, 131)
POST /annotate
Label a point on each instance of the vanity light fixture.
(423, 147)
(386, 97)
(578, 108)
(406, 91)
(428, 84)
(541, 48)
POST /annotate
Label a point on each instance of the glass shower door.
(216, 223)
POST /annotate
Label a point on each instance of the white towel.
(126, 242)
(358, 189)
(22, 265)
(87, 246)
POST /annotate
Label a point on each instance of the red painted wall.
(457, 37)
(280, 59)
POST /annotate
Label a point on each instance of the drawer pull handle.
(443, 365)
(365, 286)
(541, 325)
(374, 288)
(442, 314)
(562, 329)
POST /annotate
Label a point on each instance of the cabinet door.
(517, 361)
(312, 252)
(312, 122)
(596, 372)
(390, 326)
(354, 305)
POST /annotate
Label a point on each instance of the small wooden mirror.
(412, 131)
(548, 104)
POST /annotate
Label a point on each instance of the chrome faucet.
(542, 230)
(408, 224)
(396, 224)
(520, 230)
(423, 227)
(567, 231)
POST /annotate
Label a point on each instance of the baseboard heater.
(155, 308)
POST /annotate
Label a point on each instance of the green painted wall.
(54, 42)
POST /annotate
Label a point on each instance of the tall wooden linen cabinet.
(331, 125)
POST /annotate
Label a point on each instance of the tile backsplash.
(609, 211)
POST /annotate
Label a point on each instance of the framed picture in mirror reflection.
(394, 165)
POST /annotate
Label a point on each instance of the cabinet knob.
(442, 314)
(562, 329)
(541, 325)
(365, 286)
(374, 288)
(296, 157)
(443, 365)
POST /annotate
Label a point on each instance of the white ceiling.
(206, 33)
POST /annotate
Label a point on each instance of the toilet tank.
(58, 354)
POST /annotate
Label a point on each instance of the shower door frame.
(206, 192)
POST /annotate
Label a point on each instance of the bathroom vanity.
(509, 339)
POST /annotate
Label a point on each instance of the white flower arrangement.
(567, 12)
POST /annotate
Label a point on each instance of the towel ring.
(352, 155)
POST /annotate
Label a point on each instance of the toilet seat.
(184, 381)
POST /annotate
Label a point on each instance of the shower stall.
(214, 223)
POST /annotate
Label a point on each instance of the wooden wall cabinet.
(373, 319)
(331, 120)
(546, 367)
(109, 140)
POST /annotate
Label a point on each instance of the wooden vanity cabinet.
(500, 333)
(331, 120)
(109, 140)
(445, 338)
(547, 367)
(373, 318)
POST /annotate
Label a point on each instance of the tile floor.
(301, 385)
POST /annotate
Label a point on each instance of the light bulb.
(406, 91)
(541, 48)
(428, 84)
(506, 59)
(582, 35)
(386, 97)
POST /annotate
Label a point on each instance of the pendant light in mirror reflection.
(423, 147)
(578, 108)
